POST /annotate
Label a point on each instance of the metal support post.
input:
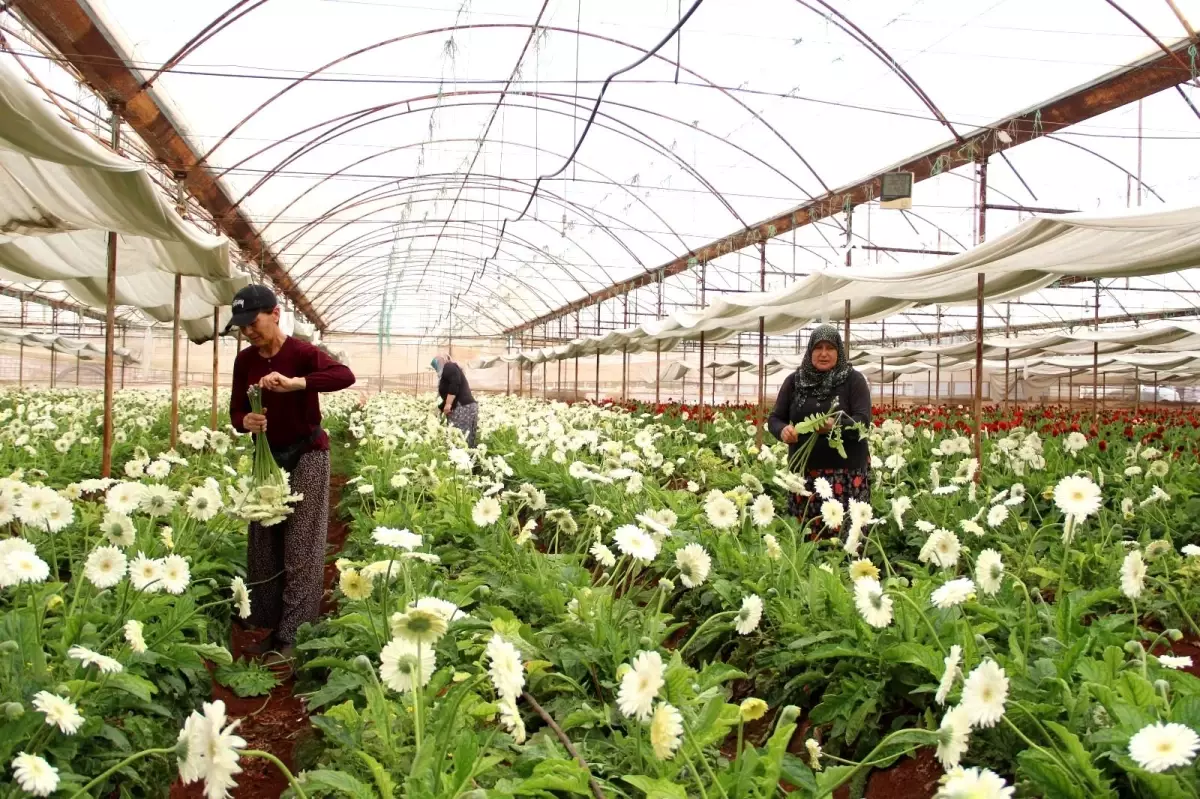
(174, 435)
(212, 420)
(762, 343)
(982, 230)
(849, 252)
(1096, 361)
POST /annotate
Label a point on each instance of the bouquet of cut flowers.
(266, 496)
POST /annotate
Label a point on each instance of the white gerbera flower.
(35, 775)
(1133, 574)
(61, 713)
(23, 566)
(401, 666)
(241, 596)
(823, 488)
(941, 548)
(1175, 662)
(603, 555)
(399, 539)
(419, 626)
(900, 506)
(105, 567)
(486, 512)
(118, 529)
(954, 737)
(693, 563)
(640, 686)
(1191, 551)
(984, 694)
(953, 593)
(989, 570)
(832, 514)
(505, 668)
(1160, 746)
(774, 551)
(1077, 496)
(157, 500)
(873, 605)
(134, 636)
(355, 585)
(447, 610)
(175, 574)
(749, 615)
(666, 731)
(211, 750)
(762, 512)
(89, 658)
(974, 783)
(721, 512)
(952, 672)
(636, 543)
(997, 515)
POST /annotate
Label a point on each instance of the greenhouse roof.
(388, 151)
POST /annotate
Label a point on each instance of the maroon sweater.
(291, 416)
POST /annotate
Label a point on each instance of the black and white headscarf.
(813, 383)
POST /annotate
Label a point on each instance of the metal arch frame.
(506, 25)
(331, 282)
(391, 223)
(647, 143)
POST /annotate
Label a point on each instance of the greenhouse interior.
(461, 399)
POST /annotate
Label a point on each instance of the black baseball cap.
(248, 303)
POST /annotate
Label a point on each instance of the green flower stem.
(741, 729)
(127, 761)
(1028, 609)
(291, 778)
(417, 691)
(702, 627)
(181, 622)
(687, 733)
(921, 612)
(1053, 755)
(887, 565)
(1068, 535)
(867, 761)
(1179, 604)
(695, 774)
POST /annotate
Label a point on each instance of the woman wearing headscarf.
(825, 377)
(456, 403)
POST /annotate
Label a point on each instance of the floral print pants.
(285, 563)
(466, 419)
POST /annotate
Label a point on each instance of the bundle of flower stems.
(266, 497)
(266, 470)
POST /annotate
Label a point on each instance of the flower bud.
(1134, 647)
(54, 602)
(1174, 634)
(789, 714)
(1162, 686)
(8, 647)
(13, 710)
(362, 664)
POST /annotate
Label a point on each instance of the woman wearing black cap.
(285, 562)
(825, 377)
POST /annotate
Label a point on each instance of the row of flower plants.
(116, 594)
(610, 601)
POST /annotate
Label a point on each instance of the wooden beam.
(68, 27)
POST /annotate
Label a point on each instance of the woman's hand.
(827, 427)
(255, 422)
(788, 435)
(282, 384)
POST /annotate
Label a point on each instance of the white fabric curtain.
(65, 345)
(1030, 257)
(61, 192)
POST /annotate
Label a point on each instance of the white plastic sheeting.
(61, 192)
(1031, 256)
(62, 344)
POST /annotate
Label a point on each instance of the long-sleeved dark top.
(292, 416)
(453, 381)
(853, 397)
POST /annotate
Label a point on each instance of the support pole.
(762, 344)
(1137, 391)
(598, 308)
(1007, 324)
(938, 367)
(124, 360)
(700, 404)
(576, 392)
(212, 419)
(21, 364)
(658, 349)
(1156, 390)
(979, 319)
(174, 437)
(53, 351)
(849, 241)
(1096, 361)
(110, 322)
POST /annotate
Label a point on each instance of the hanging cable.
(587, 126)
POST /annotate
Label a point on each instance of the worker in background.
(285, 562)
(455, 400)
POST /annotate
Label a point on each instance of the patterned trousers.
(288, 559)
(466, 419)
